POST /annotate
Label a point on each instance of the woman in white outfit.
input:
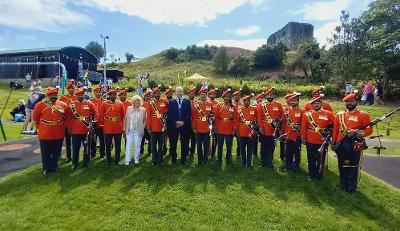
(134, 123)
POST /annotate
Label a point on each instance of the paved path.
(19, 154)
(383, 167)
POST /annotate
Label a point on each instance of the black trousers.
(68, 144)
(292, 158)
(246, 150)
(267, 150)
(100, 136)
(182, 133)
(157, 139)
(51, 152)
(228, 139)
(77, 142)
(117, 145)
(349, 170)
(314, 160)
(146, 136)
(203, 146)
(192, 142)
(238, 149)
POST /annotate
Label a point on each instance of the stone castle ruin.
(292, 35)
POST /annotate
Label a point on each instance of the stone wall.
(292, 35)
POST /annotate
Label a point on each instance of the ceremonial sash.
(227, 112)
(53, 108)
(158, 114)
(198, 108)
(267, 115)
(343, 127)
(243, 120)
(77, 116)
(315, 127)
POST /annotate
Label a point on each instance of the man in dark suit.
(178, 122)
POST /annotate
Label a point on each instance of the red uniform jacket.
(112, 116)
(352, 120)
(293, 118)
(245, 116)
(224, 118)
(325, 106)
(156, 111)
(97, 103)
(67, 99)
(78, 116)
(311, 131)
(50, 120)
(274, 110)
(200, 115)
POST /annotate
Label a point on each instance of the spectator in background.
(35, 95)
(28, 79)
(140, 89)
(19, 109)
(378, 93)
(368, 94)
(349, 88)
(57, 80)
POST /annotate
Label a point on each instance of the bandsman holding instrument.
(112, 114)
(49, 116)
(67, 100)
(246, 118)
(350, 124)
(156, 125)
(294, 115)
(270, 119)
(147, 97)
(316, 126)
(122, 97)
(97, 102)
(225, 114)
(201, 111)
(79, 113)
(192, 137)
(258, 100)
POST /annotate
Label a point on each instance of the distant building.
(70, 56)
(292, 35)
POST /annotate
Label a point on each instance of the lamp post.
(105, 60)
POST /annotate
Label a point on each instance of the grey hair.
(136, 97)
(179, 88)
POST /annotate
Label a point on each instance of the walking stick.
(1, 115)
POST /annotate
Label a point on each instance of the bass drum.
(344, 148)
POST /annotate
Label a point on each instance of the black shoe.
(73, 167)
(54, 170)
(45, 172)
(67, 160)
(218, 163)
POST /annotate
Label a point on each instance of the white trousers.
(134, 137)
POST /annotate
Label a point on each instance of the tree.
(171, 54)
(221, 61)
(270, 57)
(129, 57)
(240, 65)
(96, 49)
(307, 52)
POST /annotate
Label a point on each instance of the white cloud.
(43, 15)
(245, 31)
(324, 32)
(179, 12)
(250, 44)
(25, 37)
(323, 10)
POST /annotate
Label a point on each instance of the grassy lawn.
(192, 198)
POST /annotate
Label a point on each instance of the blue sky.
(147, 27)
